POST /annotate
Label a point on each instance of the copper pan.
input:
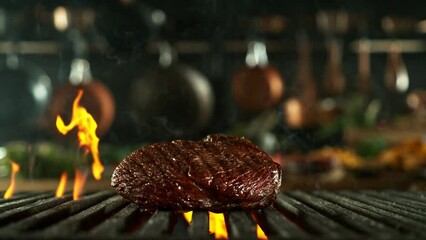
(97, 98)
(258, 86)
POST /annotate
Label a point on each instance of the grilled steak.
(214, 174)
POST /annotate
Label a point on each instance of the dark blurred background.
(199, 85)
(308, 81)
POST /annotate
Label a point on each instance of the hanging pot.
(24, 94)
(172, 101)
(257, 86)
(97, 98)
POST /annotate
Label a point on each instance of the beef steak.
(215, 174)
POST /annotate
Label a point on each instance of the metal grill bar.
(156, 226)
(17, 196)
(30, 210)
(87, 218)
(309, 219)
(22, 201)
(53, 214)
(276, 224)
(347, 217)
(400, 197)
(295, 215)
(391, 206)
(417, 196)
(401, 223)
(240, 225)
(123, 221)
(199, 227)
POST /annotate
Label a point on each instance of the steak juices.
(217, 173)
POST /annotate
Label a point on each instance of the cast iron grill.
(363, 214)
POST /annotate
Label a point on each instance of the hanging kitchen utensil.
(257, 86)
(300, 108)
(172, 101)
(396, 81)
(24, 94)
(363, 79)
(371, 105)
(396, 74)
(334, 79)
(362, 108)
(333, 24)
(305, 78)
(97, 98)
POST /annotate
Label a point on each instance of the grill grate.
(295, 215)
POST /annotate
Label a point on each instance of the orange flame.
(188, 216)
(87, 138)
(79, 180)
(61, 186)
(11, 188)
(260, 234)
(217, 225)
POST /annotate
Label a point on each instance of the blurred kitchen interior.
(334, 91)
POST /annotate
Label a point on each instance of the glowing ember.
(188, 216)
(217, 225)
(260, 234)
(79, 180)
(61, 186)
(11, 188)
(86, 133)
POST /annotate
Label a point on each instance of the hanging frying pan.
(97, 98)
(172, 100)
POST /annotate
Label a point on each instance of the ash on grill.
(294, 215)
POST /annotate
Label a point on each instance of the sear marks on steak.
(216, 174)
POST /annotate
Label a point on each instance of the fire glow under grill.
(295, 215)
